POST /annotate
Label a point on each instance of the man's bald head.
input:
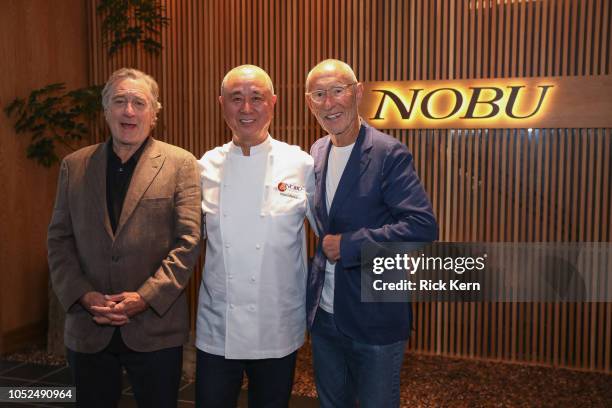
(331, 67)
(247, 100)
(244, 72)
(333, 95)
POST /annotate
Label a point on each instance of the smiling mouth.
(128, 125)
(333, 116)
(246, 121)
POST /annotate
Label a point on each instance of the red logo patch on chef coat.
(290, 190)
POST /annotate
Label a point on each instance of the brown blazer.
(152, 252)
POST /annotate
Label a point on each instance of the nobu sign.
(489, 103)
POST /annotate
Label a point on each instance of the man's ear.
(359, 91)
(153, 120)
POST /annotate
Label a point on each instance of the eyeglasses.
(318, 96)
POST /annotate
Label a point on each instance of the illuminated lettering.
(403, 111)
(475, 100)
(457, 103)
(425, 104)
(512, 101)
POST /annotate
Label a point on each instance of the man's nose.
(129, 109)
(247, 107)
(328, 101)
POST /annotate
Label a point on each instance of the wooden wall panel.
(40, 43)
(485, 184)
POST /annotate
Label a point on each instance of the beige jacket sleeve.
(66, 275)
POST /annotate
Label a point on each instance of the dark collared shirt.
(118, 178)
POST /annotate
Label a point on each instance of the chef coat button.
(252, 308)
(258, 246)
(227, 245)
(252, 279)
(231, 305)
(230, 277)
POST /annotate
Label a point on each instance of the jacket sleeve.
(407, 202)
(170, 279)
(67, 278)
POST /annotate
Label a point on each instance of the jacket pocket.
(156, 201)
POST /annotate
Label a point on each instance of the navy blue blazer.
(379, 199)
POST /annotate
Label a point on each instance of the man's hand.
(130, 303)
(102, 309)
(331, 247)
(119, 308)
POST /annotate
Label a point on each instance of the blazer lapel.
(357, 164)
(320, 168)
(96, 184)
(147, 168)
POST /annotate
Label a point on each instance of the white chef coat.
(253, 290)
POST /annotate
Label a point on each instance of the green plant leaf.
(51, 115)
(16, 105)
(129, 22)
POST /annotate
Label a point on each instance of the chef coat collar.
(257, 149)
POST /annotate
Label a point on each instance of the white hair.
(131, 73)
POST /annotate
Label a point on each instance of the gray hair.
(131, 73)
(247, 68)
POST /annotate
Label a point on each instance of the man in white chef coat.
(256, 193)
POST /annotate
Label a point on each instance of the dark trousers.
(218, 381)
(154, 376)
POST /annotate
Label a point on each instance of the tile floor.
(27, 374)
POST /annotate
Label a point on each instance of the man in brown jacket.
(123, 240)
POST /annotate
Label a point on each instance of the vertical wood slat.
(485, 185)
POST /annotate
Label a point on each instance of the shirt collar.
(112, 156)
(255, 150)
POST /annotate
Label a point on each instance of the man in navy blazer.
(366, 191)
